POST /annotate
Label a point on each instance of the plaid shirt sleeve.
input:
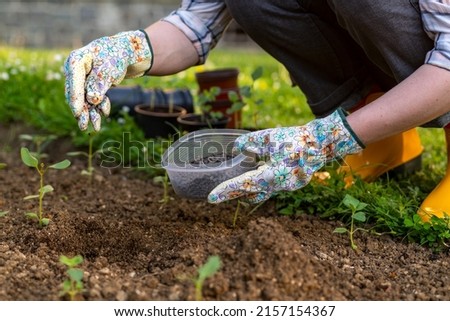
(202, 21)
(436, 22)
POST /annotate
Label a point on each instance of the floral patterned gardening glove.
(90, 71)
(295, 154)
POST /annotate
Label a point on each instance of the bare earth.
(135, 248)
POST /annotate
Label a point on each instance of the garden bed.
(136, 248)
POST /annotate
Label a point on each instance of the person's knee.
(350, 10)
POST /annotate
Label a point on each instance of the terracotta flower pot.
(222, 78)
(227, 80)
(158, 121)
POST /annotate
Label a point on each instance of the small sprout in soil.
(89, 155)
(2, 165)
(357, 214)
(207, 270)
(237, 211)
(31, 161)
(73, 285)
(164, 180)
(40, 142)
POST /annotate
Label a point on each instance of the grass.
(32, 91)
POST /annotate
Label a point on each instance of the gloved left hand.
(295, 154)
(90, 71)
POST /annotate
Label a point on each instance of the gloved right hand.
(90, 71)
(295, 154)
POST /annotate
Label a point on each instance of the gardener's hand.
(93, 69)
(295, 154)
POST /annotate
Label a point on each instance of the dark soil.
(136, 248)
(212, 159)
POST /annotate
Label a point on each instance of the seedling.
(207, 270)
(238, 209)
(40, 143)
(357, 214)
(73, 285)
(245, 205)
(2, 165)
(31, 161)
(89, 155)
(164, 180)
(205, 98)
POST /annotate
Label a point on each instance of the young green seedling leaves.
(31, 161)
(61, 165)
(257, 73)
(72, 286)
(2, 165)
(27, 158)
(71, 262)
(356, 207)
(207, 270)
(353, 204)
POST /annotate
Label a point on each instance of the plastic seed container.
(199, 161)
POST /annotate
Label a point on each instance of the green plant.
(40, 142)
(90, 154)
(246, 95)
(164, 180)
(207, 270)
(435, 233)
(31, 161)
(2, 165)
(73, 285)
(204, 100)
(356, 207)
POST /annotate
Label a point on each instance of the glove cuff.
(335, 136)
(150, 48)
(343, 115)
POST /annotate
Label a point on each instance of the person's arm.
(172, 56)
(420, 98)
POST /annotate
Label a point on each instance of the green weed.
(435, 233)
(31, 161)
